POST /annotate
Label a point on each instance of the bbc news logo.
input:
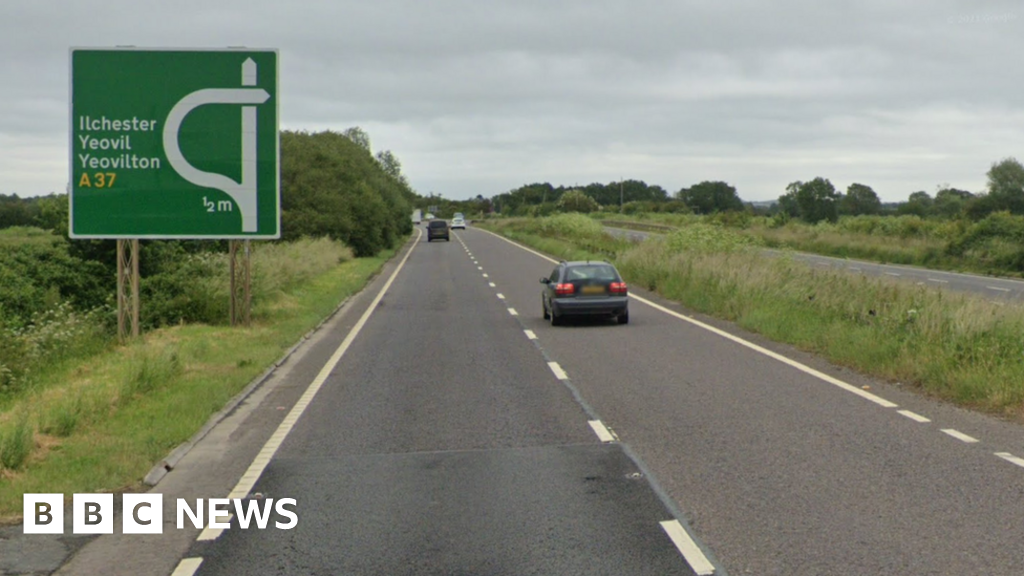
(144, 513)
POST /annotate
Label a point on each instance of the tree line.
(812, 201)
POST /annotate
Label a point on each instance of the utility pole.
(620, 194)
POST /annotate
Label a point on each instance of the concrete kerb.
(171, 460)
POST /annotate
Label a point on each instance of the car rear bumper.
(589, 306)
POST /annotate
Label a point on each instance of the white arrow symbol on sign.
(244, 192)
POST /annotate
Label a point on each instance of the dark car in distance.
(584, 289)
(437, 229)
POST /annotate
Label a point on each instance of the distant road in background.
(987, 286)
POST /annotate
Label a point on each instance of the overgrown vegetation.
(99, 425)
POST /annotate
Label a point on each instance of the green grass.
(100, 424)
(21, 235)
(910, 240)
(958, 347)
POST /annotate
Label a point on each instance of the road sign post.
(174, 144)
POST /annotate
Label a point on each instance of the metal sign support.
(241, 296)
(127, 289)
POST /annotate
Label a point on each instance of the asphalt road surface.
(443, 443)
(999, 289)
(454, 436)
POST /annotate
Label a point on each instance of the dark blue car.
(584, 289)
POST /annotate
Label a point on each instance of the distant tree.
(980, 206)
(918, 203)
(709, 197)
(53, 213)
(950, 202)
(812, 201)
(1006, 185)
(577, 201)
(390, 164)
(15, 211)
(787, 202)
(359, 136)
(860, 199)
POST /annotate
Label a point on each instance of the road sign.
(174, 144)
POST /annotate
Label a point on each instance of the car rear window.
(591, 272)
(438, 224)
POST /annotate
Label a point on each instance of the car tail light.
(617, 288)
(564, 289)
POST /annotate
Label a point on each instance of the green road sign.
(174, 144)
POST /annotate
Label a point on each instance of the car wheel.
(624, 317)
(544, 309)
(555, 320)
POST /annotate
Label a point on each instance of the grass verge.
(99, 425)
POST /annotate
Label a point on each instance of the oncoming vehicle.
(437, 229)
(458, 222)
(584, 289)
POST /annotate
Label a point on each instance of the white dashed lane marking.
(1011, 458)
(601, 430)
(187, 567)
(960, 435)
(559, 373)
(530, 334)
(513, 312)
(688, 548)
(913, 416)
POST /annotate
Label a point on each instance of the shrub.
(708, 238)
(16, 442)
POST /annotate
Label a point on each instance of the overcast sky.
(480, 97)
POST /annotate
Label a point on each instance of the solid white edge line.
(688, 548)
(939, 281)
(559, 373)
(187, 566)
(998, 288)
(248, 480)
(960, 435)
(913, 416)
(1011, 458)
(891, 274)
(602, 432)
(530, 334)
(793, 363)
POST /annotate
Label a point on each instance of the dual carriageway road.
(459, 433)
